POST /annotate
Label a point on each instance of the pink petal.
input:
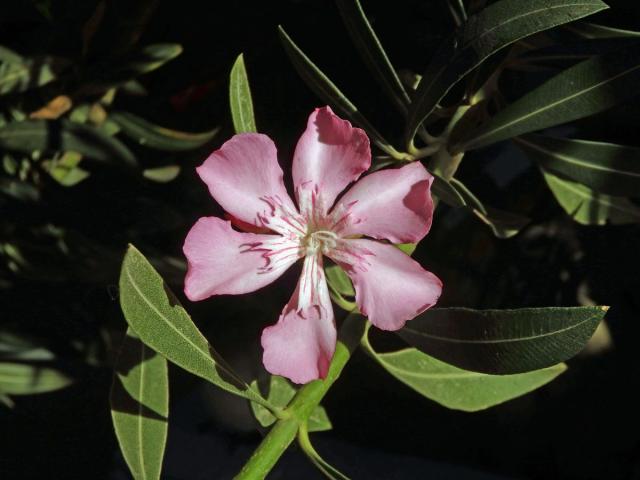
(300, 346)
(391, 287)
(242, 174)
(390, 204)
(223, 261)
(330, 155)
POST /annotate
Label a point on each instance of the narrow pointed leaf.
(157, 317)
(589, 207)
(446, 192)
(155, 136)
(18, 378)
(593, 30)
(483, 34)
(53, 136)
(503, 224)
(459, 389)
(503, 341)
(140, 407)
(280, 394)
(603, 167)
(372, 52)
(240, 98)
(339, 281)
(324, 88)
(587, 88)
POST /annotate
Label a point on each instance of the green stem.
(306, 400)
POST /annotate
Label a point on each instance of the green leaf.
(372, 52)
(407, 248)
(589, 207)
(162, 174)
(592, 30)
(585, 89)
(51, 136)
(280, 394)
(161, 138)
(155, 314)
(240, 98)
(503, 224)
(18, 74)
(147, 59)
(19, 190)
(339, 280)
(446, 192)
(30, 378)
(140, 407)
(604, 167)
(483, 34)
(324, 88)
(503, 341)
(459, 389)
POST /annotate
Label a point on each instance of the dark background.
(583, 425)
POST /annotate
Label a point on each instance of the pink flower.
(244, 177)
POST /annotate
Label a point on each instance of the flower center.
(320, 240)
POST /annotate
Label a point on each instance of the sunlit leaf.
(157, 317)
(503, 341)
(161, 138)
(17, 378)
(51, 136)
(372, 52)
(280, 394)
(162, 174)
(140, 407)
(604, 167)
(589, 207)
(483, 34)
(459, 389)
(585, 89)
(240, 98)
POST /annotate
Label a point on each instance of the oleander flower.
(392, 205)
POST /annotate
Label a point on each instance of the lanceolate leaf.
(372, 52)
(280, 394)
(53, 136)
(140, 407)
(589, 207)
(490, 30)
(317, 81)
(587, 88)
(503, 341)
(157, 317)
(21, 378)
(459, 389)
(593, 30)
(604, 167)
(161, 138)
(240, 98)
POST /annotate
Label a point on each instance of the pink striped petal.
(300, 346)
(329, 156)
(391, 287)
(392, 204)
(223, 261)
(243, 175)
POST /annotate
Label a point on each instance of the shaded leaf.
(30, 378)
(372, 52)
(338, 280)
(483, 34)
(280, 394)
(604, 167)
(157, 317)
(52, 136)
(19, 190)
(593, 30)
(140, 407)
(18, 74)
(503, 341)
(446, 192)
(317, 81)
(589, 207)
(587, 88)
(161, 138)
(240, 98)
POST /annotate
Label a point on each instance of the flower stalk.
(295, 416)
